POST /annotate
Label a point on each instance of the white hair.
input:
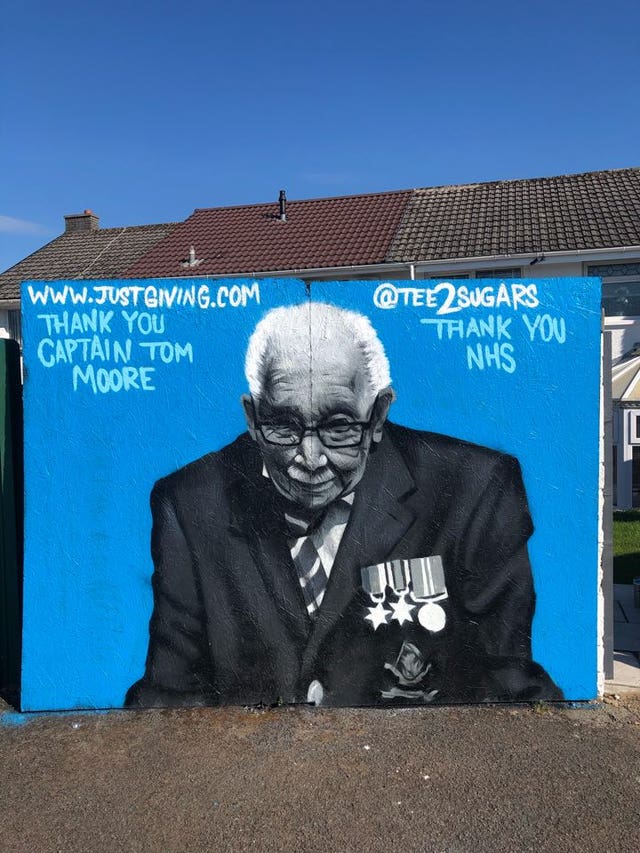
(297, 329)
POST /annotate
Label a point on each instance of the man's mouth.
(311, 480)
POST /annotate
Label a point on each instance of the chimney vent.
(282, 202)
(75, 223)
(192, 260)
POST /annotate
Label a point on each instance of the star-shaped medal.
(377, 615)
(402, 610)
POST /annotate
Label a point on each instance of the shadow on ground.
(626, 568)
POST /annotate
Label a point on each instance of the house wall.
(552, 270)
(544, 269)
(625, 332)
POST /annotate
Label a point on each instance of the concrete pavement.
(626, 641)
(300, 779)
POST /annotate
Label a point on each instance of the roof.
(326, 232)
(102, 253)
(593, 210)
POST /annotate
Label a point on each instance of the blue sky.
(143, 111)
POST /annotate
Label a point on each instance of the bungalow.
(569, 225)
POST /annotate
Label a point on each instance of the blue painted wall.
(519, 372)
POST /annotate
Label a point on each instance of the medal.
(428, 587)
(416, 581)
(398, 580)
(402, 610)
(377, 615)
(374, 583)
(432, 617)
(397, 577)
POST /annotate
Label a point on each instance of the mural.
(338, 505)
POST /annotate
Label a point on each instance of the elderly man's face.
(333, 390)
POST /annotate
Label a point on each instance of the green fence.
(10, 517)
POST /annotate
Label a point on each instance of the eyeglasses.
(339, 432)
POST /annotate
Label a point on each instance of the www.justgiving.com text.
(149, 296)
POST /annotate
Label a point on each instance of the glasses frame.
(304, 430)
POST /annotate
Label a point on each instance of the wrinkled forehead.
(317, 377)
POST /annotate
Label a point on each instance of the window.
(509, 272)
(620, 288)
(634, 426)
(445, 276)
(635, 478)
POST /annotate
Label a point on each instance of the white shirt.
(328, 535)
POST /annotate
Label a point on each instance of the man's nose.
(311, 451)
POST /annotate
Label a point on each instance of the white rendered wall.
(4, 324)
(625, 332)
(547, 269)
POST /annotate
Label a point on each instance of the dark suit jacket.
(229, 624)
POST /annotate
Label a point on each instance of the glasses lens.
(286, 434)
(341, 435)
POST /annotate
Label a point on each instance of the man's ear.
(382, 406)
(249, 413)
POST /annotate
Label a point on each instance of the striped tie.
(313, 578)
(306, 537)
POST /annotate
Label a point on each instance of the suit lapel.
(384, 511)
(256, 520)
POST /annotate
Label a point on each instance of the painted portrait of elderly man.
(330, 556)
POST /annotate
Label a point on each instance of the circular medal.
(432, 617)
